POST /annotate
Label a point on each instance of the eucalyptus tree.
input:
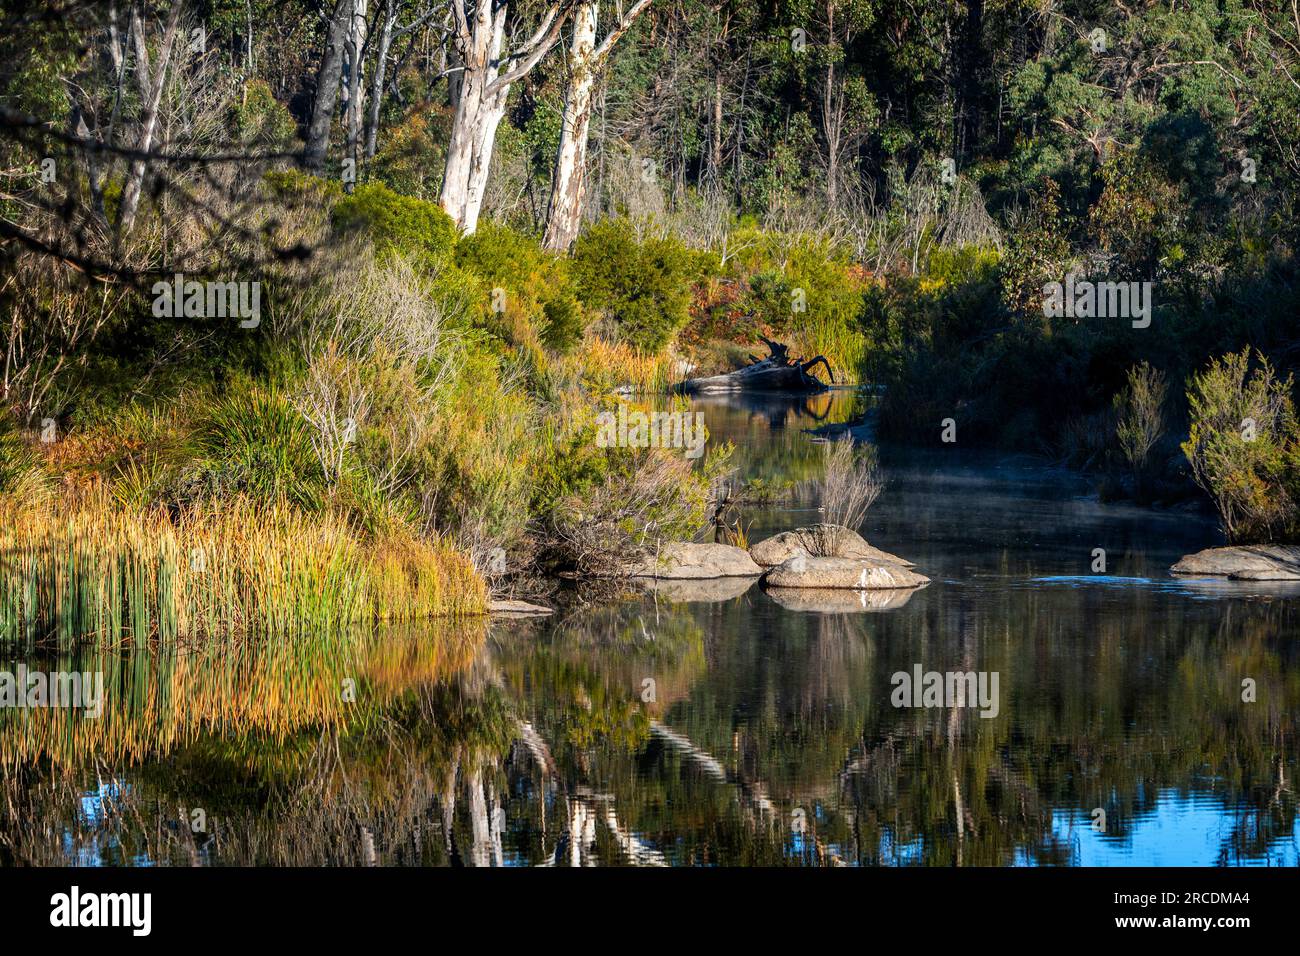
(151, 79)
(494, 49)
(586, 60)
(328, 78)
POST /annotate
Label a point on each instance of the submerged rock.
(855, 574)
(1255, 562)
(830, 601)
(848, 544)
(508, 608)
(685, 559)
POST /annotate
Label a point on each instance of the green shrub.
(810, 294)
(411, 154)
(536, 282)
(1140, 421)
(1244, 447)
(643, 287)
(414, 228)
(295, 186)
(259, 118)
(253, 442)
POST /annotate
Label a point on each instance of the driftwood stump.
(777, 372)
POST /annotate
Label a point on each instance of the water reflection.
(715, 726)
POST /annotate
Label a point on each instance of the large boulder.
(855, 574)
(1256, 562)
(829, 601)
(848, 544)
(684, 559)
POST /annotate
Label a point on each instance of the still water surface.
(770, 738)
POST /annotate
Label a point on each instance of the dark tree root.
(776, 373)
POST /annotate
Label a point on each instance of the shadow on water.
(706, 723)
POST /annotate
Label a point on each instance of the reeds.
(850, 485)
(607, 366)
(96, 571)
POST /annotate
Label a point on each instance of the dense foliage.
(894, 187)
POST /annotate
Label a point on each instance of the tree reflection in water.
(767, 735)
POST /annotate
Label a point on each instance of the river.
(713, 725)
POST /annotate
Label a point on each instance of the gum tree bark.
(151, 83)
(586, 60)
(389, 20)
(487, 72)
(354, 110)
(327, 88)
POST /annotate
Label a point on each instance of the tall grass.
(95, 571)
(606, 366)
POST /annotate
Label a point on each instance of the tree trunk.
(355, 110)
(377, 84)
(564, 214)
(832, 116)
(469, 119)
(480, 101)
(481, 164)
(151, 89)
(715, 148)
(568, 184)
(327, 89)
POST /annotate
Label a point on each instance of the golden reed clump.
(94, 570)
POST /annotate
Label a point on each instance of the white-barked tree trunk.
(569, 180)
(488, 66)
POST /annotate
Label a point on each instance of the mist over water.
(765, 735)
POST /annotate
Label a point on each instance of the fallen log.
(775, 373)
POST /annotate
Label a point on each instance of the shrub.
(1037, 250)
(253, 442)
(643, 287)
(805, 291)
(1244, 447)
(536, 282)
(259, 118)
(414, 228)
(410, 154)
(644, 499)
(1139, 410)
(850, 485)
(289, 186)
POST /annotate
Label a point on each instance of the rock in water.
(848, 544)
(1255, 562)
(684, 559)
(518, 609)
(848, 573)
